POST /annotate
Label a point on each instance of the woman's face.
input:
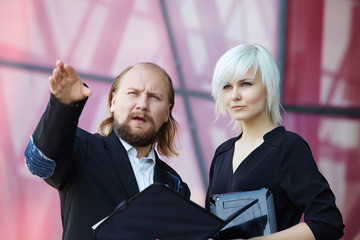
(245, 98)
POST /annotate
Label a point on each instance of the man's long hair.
(165, 143)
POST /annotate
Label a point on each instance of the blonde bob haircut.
(234, 64)
(168, 132)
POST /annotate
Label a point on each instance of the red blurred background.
(316, 44)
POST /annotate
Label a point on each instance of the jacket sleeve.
(50, 149)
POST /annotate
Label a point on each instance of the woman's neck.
(252, 131)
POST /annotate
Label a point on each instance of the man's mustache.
(140, 115)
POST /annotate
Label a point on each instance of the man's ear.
(112, 105)
(168, 114)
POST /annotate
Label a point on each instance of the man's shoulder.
(82, 133)
(163, 165)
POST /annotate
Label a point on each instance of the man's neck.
(142, 151)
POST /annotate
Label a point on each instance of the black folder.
(158, 212)
(259, 220)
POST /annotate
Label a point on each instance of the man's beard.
(140, 139)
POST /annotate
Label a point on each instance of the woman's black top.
(283, 163)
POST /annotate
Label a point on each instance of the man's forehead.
(145, 72)
(144, 79)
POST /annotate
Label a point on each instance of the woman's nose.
(236, 95)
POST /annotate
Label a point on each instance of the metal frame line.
(184, 93)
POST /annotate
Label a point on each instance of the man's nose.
(143, 102)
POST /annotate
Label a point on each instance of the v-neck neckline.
(244, 162)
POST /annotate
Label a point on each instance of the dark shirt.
(283, 163)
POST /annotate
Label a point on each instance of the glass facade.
(316, 44)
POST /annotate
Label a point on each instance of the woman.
(246, 85)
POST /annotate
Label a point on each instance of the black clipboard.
(158, 212)
(259, 220)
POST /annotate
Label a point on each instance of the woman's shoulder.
(280, 137)
(225, 146)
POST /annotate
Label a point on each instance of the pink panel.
(212, 133)
(97, 37)
(322, 53)
(29, 209)
(203, 30)
(303, 52)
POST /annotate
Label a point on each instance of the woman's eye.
(245, 84)
(227, 86)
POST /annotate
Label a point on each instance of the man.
(95, 172)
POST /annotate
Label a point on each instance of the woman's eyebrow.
(245, 79)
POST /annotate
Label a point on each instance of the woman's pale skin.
(245, 101)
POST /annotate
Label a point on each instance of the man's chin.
(139, 130)
(135, 134)
(138, 124)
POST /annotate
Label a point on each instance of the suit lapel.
(121, 164)
(164, 175)
(159, 173)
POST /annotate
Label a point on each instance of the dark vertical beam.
(281, 43)
(183, 91)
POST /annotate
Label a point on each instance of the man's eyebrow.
(157, 93)
(134, 89)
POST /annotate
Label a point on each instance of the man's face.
(141, 105)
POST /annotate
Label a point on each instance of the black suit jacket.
(93, 173)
